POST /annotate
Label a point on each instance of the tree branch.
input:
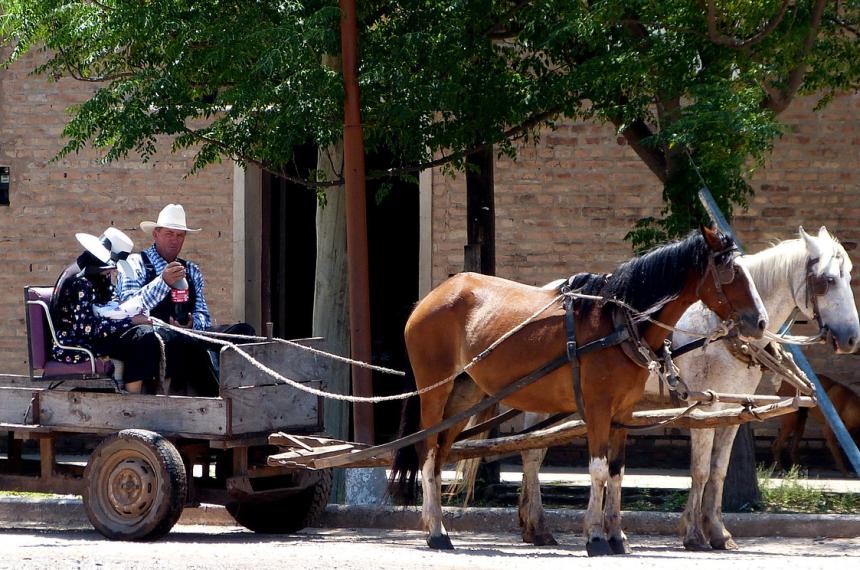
(653, 158)
(101, 5)
(499, 32)
(513, 133)
(77, 74)
(721, 39)
(779, 99)
(846, 25)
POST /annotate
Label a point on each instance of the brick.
(50, 201)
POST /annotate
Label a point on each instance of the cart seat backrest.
(41, 342)
(39, 335)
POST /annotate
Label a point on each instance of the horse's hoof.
(544, 540)
(619, 545)
(441, 542)
(724, 544)
(696, 545)
(598, 547)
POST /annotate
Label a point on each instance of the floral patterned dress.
(77, 323)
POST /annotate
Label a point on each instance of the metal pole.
(824, 402)
(356, 225)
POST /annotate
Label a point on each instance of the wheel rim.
(128, 487)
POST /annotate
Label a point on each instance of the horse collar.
(634, 347)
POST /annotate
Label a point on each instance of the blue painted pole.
(824, 402)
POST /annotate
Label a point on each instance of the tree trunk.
(741, 486)
(331, 310)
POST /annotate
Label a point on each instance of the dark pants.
(140, 351)
(215, 350)
(188, 365)
(193, 365)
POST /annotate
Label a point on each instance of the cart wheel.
(287, 515)
(135, 486)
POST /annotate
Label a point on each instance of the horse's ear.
(713, 237)
(812, 247)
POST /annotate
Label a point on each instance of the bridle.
(723, 273)
(817, 286)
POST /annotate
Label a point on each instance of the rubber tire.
(288, 515)
(135, 486)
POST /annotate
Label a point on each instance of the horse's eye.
(831, 280)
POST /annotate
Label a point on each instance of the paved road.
(209, 547)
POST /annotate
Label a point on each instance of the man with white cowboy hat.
(170, 288)
(158, 272)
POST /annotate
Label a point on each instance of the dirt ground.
(349, 549)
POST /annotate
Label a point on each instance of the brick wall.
(50, 201)
(565, 205)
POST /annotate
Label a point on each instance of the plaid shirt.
(148, 295)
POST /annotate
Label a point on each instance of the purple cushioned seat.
(40, 337)
(55, 368)
(41, 342)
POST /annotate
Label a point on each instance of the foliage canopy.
(681, 80)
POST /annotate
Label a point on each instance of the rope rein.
(213, 337)
(344, 397)
(792, 339)
(216, 338)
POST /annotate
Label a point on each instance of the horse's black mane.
(658, 275)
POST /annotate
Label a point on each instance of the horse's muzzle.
(752, 325)
(843, 342)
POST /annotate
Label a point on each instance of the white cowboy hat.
(119, 245)
(171, 216)
(95, 246)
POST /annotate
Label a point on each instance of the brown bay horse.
(469, 312)
(847, 404)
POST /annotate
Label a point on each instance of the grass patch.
(791, 495)
(661, 500)
(26, 494)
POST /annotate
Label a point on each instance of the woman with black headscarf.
(81, 291)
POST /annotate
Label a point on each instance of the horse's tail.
(403, 481)
(466, 470)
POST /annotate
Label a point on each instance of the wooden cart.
(154, 455)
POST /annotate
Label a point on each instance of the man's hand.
(173, 273)
(176, 323)
(141, 320)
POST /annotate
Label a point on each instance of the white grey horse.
(806, 273)
(812, 274)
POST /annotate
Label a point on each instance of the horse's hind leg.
(431, 508)
(834, 447)
(463, 395)
(701, 444)
(799, 427)
(787, 426)
(612, 507)
(531, 511)
(432, 412)
(712, 501)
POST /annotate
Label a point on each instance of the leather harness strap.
(617, 336)
(573, 355)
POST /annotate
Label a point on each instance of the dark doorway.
(289, 249)
(289, 258)
(393, 242)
